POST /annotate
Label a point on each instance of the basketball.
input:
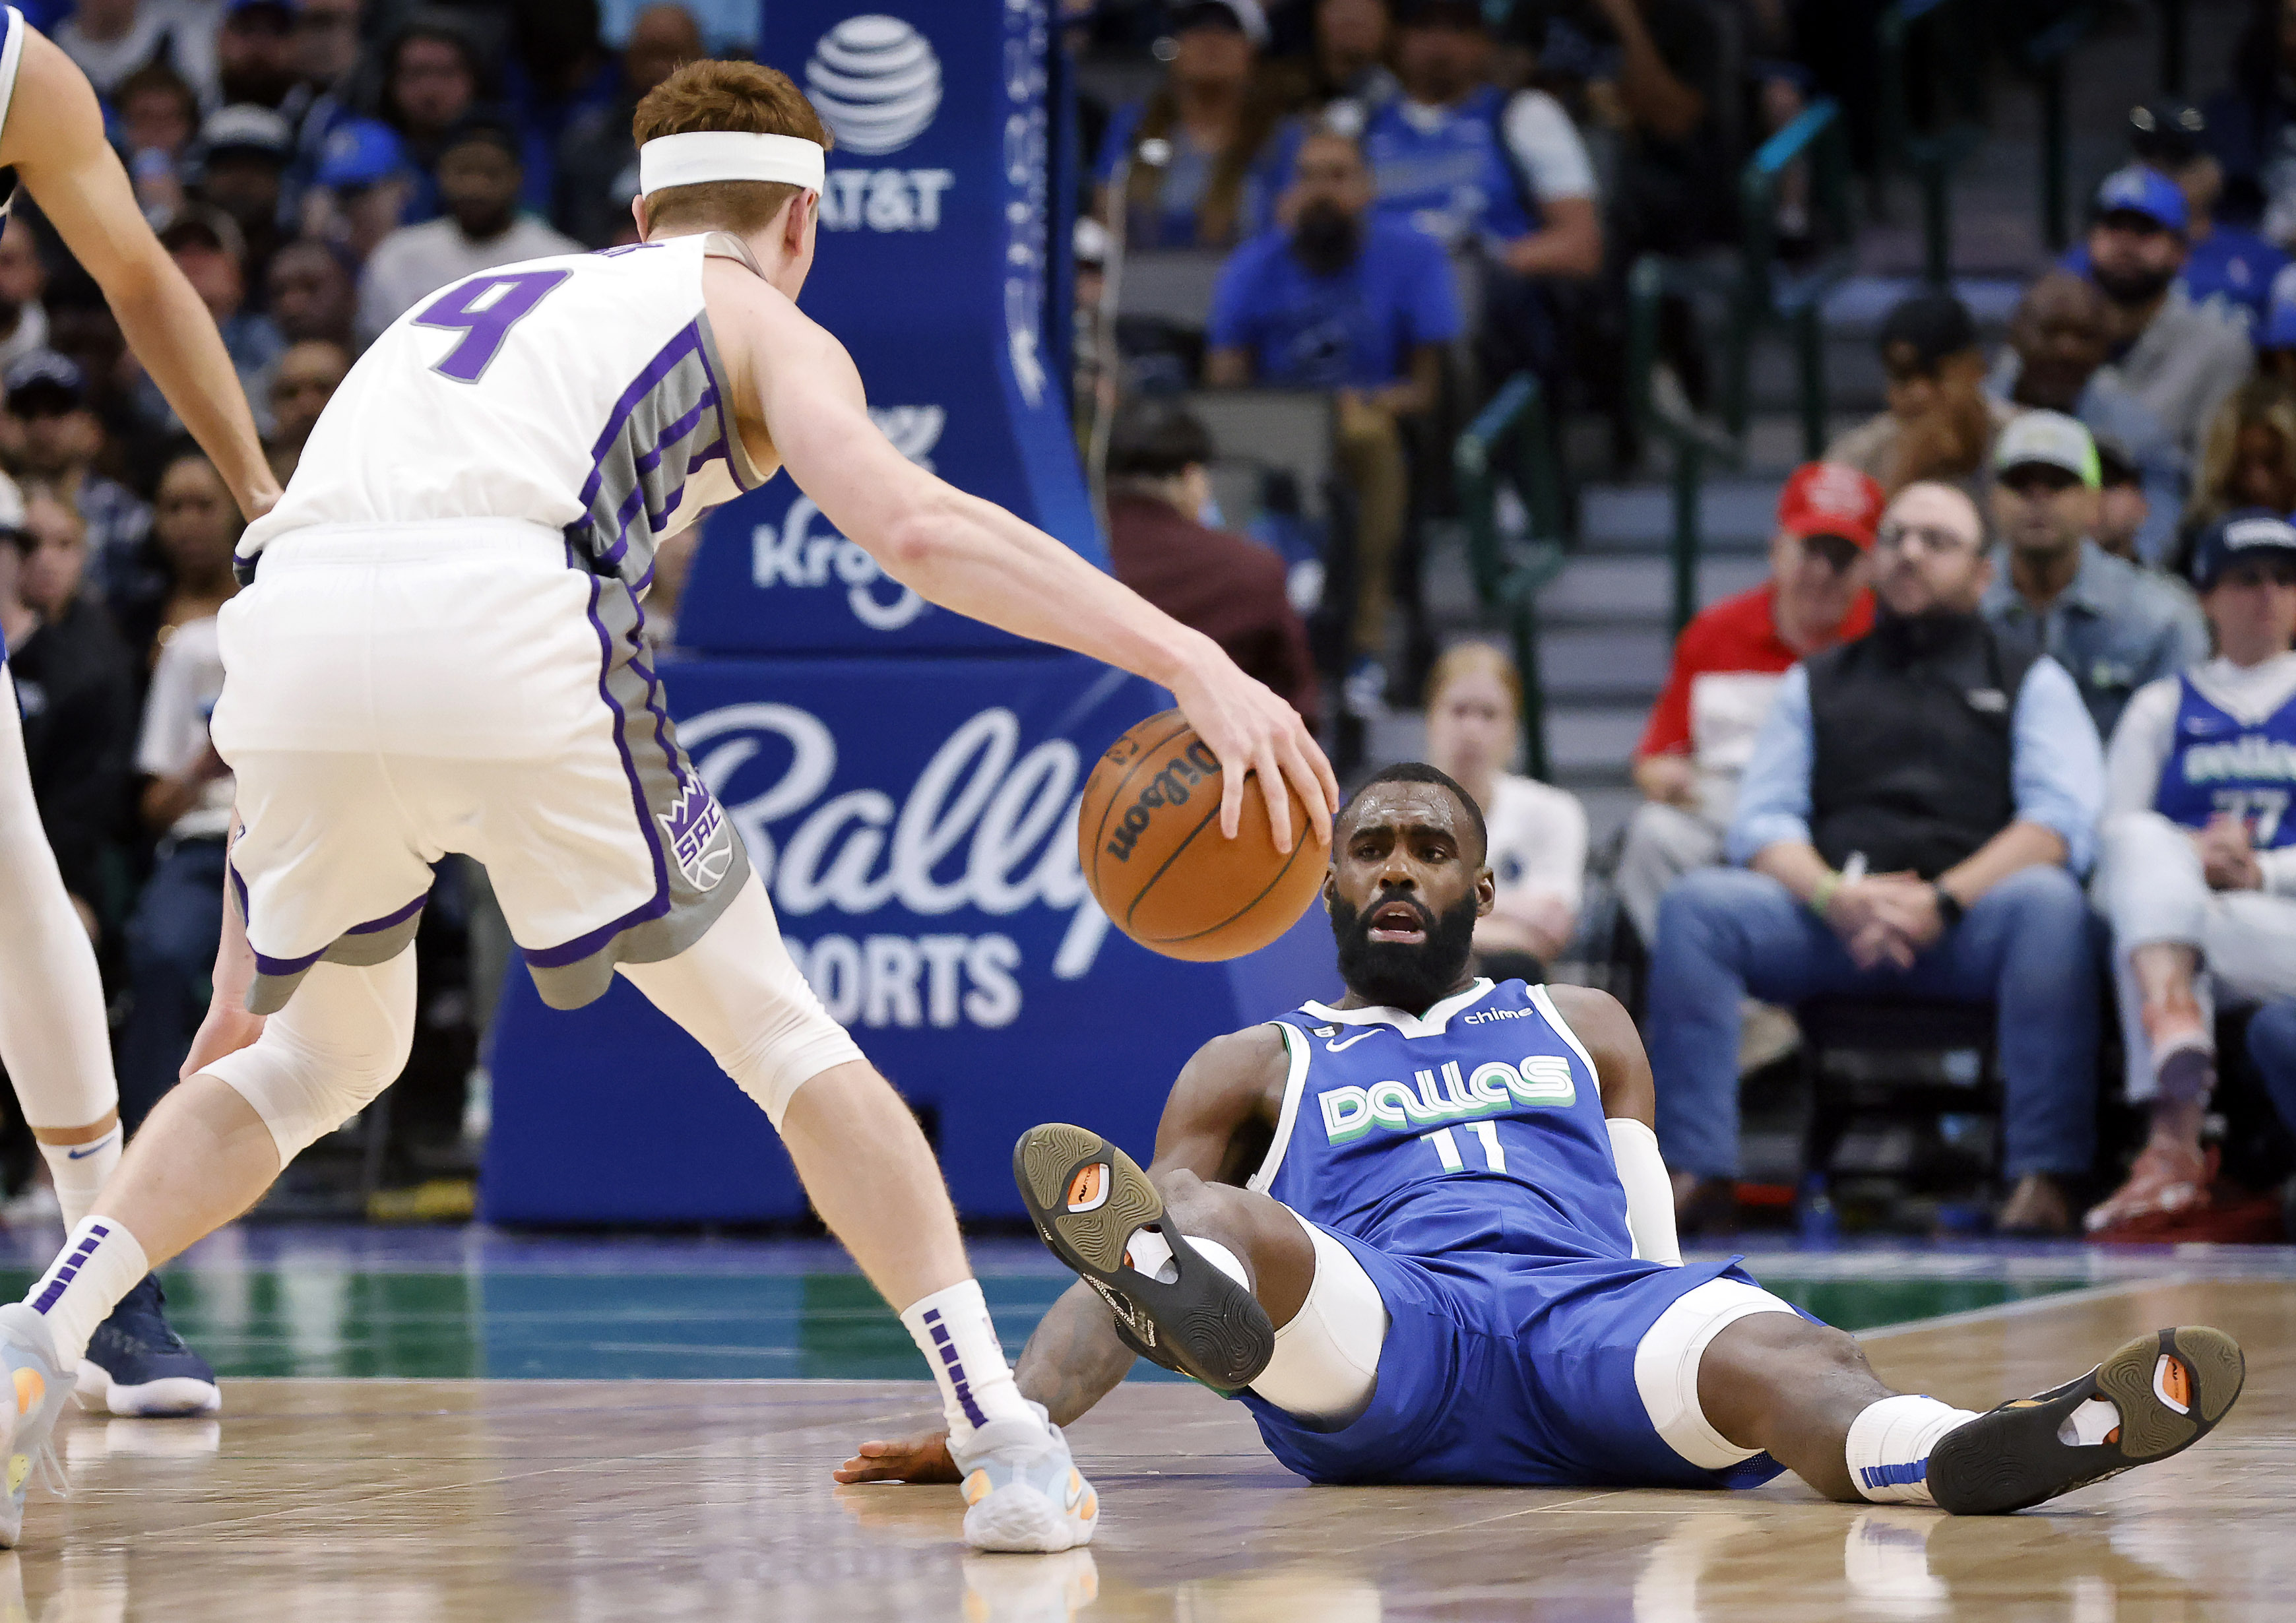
(1148, 835)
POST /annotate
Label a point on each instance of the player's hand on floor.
(917, 1459)
(227, 1028)
(1252, 730)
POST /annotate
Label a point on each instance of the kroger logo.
(986, 829)
(876, 82)
(803, 551)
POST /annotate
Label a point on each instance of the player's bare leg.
(1804, 1393)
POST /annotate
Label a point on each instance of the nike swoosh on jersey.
(1337, 1044)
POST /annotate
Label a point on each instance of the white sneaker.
(32, 1392)
(1023, 1491)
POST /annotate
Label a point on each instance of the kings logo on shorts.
(699, 838)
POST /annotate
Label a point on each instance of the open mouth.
(1398, 922)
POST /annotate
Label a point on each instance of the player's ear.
(1331, 889)
(1487, 891)
(637, 213)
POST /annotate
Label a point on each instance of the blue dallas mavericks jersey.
(1447, 171)
(1477, 1126)
(2218, 764)
(1460, 1157)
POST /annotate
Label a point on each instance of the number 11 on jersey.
(1446, 1147)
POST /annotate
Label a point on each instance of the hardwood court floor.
(409, 1501)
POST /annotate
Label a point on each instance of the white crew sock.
(79, 1171)
(101, 1262)
(953, 1330)
(1889, 1447)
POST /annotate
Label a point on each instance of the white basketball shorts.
(394, 695)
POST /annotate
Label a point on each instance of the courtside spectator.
(2060, 335)
(187, 797)
(2178, 358)
(240, 165)
(158, 120)
(110, 39)
(257, 63)
(1230, 588)
(2197, 867)
(312, 296)
(47, 395)
(1939, 424)
(207, 248)
(23, 318)
(306, 379)
(327, 54)
(2114, 626)
(1200, 172)
(479, 177)
(1538, 845)
(432, 81)
(2124, 510)
(2229, 269)
(1917, 805)
(2247, 458)
(2275, 334)
(76, 688)
(1345, 300)
(1727, 664)
(596, 148)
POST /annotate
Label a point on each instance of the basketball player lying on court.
(442, 651)
(1424, 1233)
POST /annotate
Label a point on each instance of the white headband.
(726, 154)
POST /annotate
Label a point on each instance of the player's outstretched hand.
(1252, 730)
(924, 1458)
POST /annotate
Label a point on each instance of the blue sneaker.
(137, 1365)
(1022, 1492)
(32, 1391)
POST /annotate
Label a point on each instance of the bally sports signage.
(931, 266)
(914, 823)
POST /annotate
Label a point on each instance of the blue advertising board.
(931, 266)
(914, 823)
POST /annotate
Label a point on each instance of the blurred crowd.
(2012, 723)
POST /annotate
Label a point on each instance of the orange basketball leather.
(1148, 836)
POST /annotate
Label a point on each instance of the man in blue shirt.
(1345, 300)
(1911, 822)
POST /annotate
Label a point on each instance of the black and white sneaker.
(137, 1365)
(1100, 1215)
(2154, 1396)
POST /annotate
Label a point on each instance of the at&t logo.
(877, 83)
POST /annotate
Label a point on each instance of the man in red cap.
(1727, 664)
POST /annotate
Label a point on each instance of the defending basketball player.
(53, 1036)
(1425, 1234)
(440, 652)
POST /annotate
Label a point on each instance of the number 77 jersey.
(1474, 1127)
(583, 392)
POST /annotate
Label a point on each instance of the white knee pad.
(342, 1039)
(1666, 1360)
(1326, 1362)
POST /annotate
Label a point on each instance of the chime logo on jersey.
(1493, 1088)
(699, 838)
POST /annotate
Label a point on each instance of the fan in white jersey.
(440, 651)
(53, 1038)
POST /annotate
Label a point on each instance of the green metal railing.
(1511, 441)
(1933, 52)
(1756, 297)
(2046, 55)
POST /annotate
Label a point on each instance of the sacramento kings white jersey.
(583, 392)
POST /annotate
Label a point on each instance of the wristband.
(1949, 906)
(1823, 897)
